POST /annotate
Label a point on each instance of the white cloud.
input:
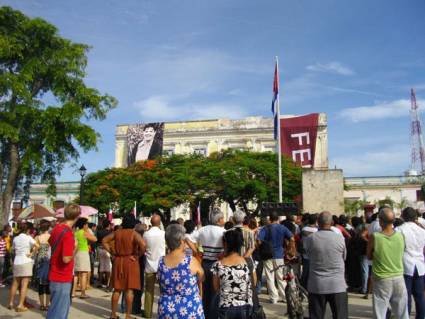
(307, 86)
(383, 110)
(186, 71)
(389, 161)
(159, 108)
(347, 90)
(331, 67)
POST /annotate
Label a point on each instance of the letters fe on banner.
(298, 138)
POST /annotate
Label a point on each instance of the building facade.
(402, 190)
(65, 191)
(208, 136)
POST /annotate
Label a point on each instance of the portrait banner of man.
(144, 141)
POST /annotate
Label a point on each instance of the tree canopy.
(44, 103)
(240, 178)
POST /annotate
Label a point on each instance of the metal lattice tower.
(417, 142)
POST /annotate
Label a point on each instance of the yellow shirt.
(8, 243)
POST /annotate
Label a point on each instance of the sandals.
(84, 297)
(21, 309)
(10, 307)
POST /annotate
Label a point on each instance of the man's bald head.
(386, 216)
(325, 220)
(156, 220)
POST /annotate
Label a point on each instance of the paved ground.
(98, 305)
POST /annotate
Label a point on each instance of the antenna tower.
(417, 142)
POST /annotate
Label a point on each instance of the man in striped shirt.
(210, 237)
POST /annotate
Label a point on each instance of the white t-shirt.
(210, 237)
(374, 227)
(155, 248)
(337, 230)
(414, 240)
(421, 221)
(22, 245)
(192, 236)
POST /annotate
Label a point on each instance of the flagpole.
(279, 147)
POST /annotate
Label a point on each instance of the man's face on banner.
(148, 133)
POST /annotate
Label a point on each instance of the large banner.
(144, 141)
(298, 138)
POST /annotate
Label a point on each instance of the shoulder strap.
(269, 232)
(55, 245)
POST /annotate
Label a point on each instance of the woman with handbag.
(43, 261)
(232, 278)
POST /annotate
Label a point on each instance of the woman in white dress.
(24, 247)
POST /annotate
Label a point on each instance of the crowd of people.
(217, 270)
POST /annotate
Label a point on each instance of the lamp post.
(83, 172)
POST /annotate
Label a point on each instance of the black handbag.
(257, 310)
(265, 248)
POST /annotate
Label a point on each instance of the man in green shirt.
(386, 249)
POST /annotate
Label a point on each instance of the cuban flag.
(110, 215)
(198, 214)
(134, 210)
(274, 101)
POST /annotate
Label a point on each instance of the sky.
(194, 59)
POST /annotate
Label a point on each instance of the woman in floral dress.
(179, 276)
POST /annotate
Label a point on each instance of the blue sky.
(197, 59)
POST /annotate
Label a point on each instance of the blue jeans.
(415, 287)
(364, 262)
(240, 312)
(60, 297)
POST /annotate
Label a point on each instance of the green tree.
(236, 177)
(387, 201)
(403, 203)
(241, 178)
(44, 103)
(351, 207)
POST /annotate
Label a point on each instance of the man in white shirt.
(413, 260)
(210, 237)
(155, 249)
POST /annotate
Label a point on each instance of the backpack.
(266, 247)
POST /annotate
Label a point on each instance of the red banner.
(298, 138)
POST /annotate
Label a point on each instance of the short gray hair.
(325, 218)
(238, 216)
(216, 215)
(174, 234)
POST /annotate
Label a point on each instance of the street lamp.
(83, 172)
